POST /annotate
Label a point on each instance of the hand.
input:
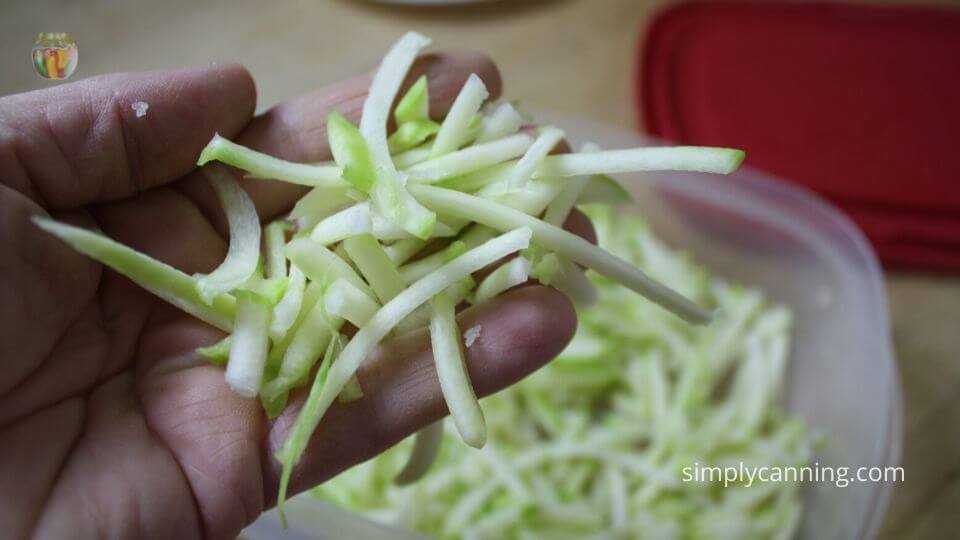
(110, 425)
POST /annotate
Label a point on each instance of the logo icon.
(55, 55)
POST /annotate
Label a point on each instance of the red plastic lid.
(858, 102)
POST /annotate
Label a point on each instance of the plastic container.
(757, 230)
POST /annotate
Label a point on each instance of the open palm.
(110, 426)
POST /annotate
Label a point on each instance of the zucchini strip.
(388, 194)
(426, 447)
(571, 246)
(248, 348)
(161, 279)
(567, 278)
(505, 120)
(218, 353)
(351, 152)
(445, 339)
(559, 208)
(274, 238)
(243, 254)
(299, 435)
(402, 250)
(405, 160)
(507, 276)
(286, 311)
(523, 170)
(670, 158)
(262, 165)
(469, 159)
(415, 104)
(375, 265)
(317, 204)
(456, 126)
(348, 222)
(349, 303)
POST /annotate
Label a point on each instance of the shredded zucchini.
(388, 240)
(593, 444)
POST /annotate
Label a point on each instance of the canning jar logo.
(55, 55)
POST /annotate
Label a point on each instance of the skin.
(111, 426)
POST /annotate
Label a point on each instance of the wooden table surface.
(573, 56)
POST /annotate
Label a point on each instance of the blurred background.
(579, 57)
